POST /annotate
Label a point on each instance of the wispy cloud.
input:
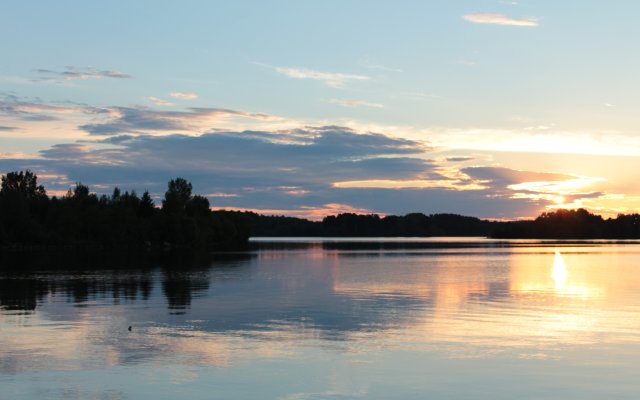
(410, 184)
(127, 120)
(184, 95)
(221, 194)
(383, 68)
(536, 139)
(354, 103)
(33, 109)
(75, 73)
(576, 186)
(79, 119)
(159, 102)
(459, 158)
(7, 128)
(83, 154)
(499, 19)
(502, 177)
(18, 155)
(333, 79)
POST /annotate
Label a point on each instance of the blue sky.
(499, 109)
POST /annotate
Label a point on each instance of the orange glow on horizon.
(308, 212)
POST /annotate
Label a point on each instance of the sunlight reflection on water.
(559, 272)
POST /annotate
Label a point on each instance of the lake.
(304, 318)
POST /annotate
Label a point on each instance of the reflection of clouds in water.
(85, 393)
(89, 343)
(470, 304)
(31, 343)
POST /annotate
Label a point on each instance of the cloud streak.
(354, 103)
(459, 158)
(132, 120)
(383, 68)
(184, 95)
(506, 176)
(500, 19)
(81, 119)
(159, 102)
(32, 109)
(77, 73)
(332, 79)
(537, 140)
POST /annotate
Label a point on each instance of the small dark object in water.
(129, 328)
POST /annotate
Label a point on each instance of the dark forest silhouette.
(81, 218)
(559, 224)
(29, 217)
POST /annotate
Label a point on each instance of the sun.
(559, 199)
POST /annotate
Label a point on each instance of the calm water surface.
(313, 319)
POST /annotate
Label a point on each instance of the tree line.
(28, 216)
(371, 225)
(558, 224)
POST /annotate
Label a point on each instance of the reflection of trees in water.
(77, 276)
(185, 275)
(179, 288)
(127, 286)
(119, 277)
(238, 303)
(285, 293)
(22, 293)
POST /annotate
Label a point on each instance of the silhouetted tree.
(146, 207)
(115, 197)
(24, 183)
(177, 195)
(23, 207)
(80, 192)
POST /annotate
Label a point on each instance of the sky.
(495, 109)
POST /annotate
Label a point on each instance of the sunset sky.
(496, 109)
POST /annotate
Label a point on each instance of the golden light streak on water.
(559, 272)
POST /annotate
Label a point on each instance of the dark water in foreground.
(310, 320)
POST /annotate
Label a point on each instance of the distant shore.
(559, 224)
(30, 219)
